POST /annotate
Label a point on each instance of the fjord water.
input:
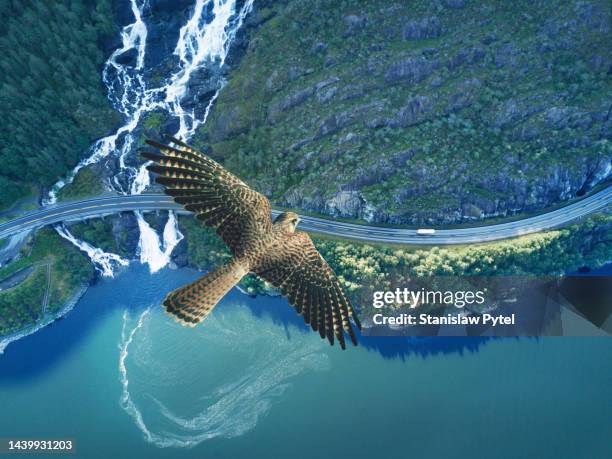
(123, 379)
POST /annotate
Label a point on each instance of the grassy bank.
(22, 305)
(85, 185)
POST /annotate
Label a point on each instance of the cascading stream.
(200, 43)
(105, 262)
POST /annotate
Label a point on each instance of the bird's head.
(287, 221)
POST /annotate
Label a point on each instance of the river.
(120, 377)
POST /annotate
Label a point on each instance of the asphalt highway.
(104, 205)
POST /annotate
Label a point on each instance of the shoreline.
(71, 303)
(68, 306)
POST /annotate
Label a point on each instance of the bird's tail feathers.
(192, 303)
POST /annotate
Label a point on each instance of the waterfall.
(200, 43)
(103, 261)
(196, 45)
(153, 252)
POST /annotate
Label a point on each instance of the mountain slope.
(420, 112)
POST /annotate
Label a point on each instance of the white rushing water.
(200, 43)
(154, 252)
(103, 261)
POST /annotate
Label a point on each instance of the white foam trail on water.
(153, 252)
(125, 401)
(104, 262)
(200, 43)
(237, 402)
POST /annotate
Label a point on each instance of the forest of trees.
(52, 100)
(557, 252)
(22, 306)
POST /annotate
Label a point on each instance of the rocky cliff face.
(441, 112)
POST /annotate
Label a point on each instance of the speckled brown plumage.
(273, 251)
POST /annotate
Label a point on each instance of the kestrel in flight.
(274, 251)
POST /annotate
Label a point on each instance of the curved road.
(80, 210)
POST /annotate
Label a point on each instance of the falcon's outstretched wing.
(302, 275)
(221, 200)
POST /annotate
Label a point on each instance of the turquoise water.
(124, 380)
